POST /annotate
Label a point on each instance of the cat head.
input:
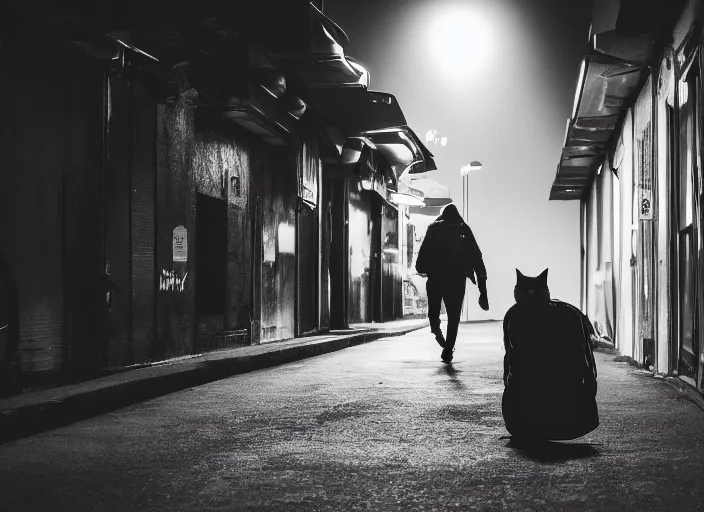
(531, 290)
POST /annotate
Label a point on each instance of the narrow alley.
(381, 426)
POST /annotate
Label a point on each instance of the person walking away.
(450, 253)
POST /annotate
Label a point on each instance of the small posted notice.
(180, 244)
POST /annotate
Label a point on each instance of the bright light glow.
(461, 41)
(684, 93)
(430, 136)
(443, 141)
(287, 239)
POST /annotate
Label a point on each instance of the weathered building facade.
(633, 157)
(163, 186)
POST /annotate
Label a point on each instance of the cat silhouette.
(549, 368)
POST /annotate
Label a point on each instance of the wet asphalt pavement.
(382, 426)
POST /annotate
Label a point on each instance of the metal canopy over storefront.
(320, 60)
(377, 117)
(404, 151)
(623, 36)
(356, 109)
(605, 88)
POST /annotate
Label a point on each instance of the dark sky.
(497, 78)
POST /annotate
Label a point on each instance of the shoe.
(439, 338)
(446, 355)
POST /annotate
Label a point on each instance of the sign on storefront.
(645, 161)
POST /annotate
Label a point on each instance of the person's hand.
(422, 274)
(484, 302)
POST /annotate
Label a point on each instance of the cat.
(549, 368)
(531, 290)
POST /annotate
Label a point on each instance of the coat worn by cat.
(549, 369)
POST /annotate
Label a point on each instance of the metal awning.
(318, 59)
(628, 29)
(378, 117)
(623, 40)
(606, 86)
(356, 109)
(403, 150)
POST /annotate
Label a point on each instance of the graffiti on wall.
(171, 281)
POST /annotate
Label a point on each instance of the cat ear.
(544, 276)
(518, 274)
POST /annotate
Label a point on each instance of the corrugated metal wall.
(84, 287)
(175, 207)
(307, 247)
(360, 256)
(51, 154)
(143, 131)
(276, 174)
(117, 225)
(326, 254)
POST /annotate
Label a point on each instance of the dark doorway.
(686, 214)
(211, 255)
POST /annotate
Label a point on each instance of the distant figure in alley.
(448, 255)
(549, 369)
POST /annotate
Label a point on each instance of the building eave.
(605, 92)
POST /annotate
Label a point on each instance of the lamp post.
(464, 171)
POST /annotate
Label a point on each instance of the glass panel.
(686, 262)
(686, 153)
(360, 247)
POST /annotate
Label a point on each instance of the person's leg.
(434, 290)
(434, 299)
(453, 295)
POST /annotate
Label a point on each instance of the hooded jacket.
(449, 246)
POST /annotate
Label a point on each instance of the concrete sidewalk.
(32, 412)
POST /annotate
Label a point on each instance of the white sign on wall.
(180, 243)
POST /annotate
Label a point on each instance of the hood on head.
(450, 214)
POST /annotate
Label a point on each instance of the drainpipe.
(320, 244)
(582, 255)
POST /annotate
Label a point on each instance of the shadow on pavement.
(552, 451)
(450, 371)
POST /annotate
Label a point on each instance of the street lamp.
(464, 171)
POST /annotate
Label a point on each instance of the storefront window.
(687, 152)
(308, 170)
(686, 248)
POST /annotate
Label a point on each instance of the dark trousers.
(448, 288)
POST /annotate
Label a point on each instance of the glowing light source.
(287, 239)
(443, 141)
(460, 41)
